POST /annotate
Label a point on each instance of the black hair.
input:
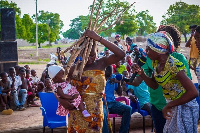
(27, 70)
(115, 42)
(192, 26)
(2, 74)
(108, 71)
(22, 68)
(198, 29)
(11, 69)
(174, 33)
(22, 71)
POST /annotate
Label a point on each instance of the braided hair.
(174, 33)
(198, 29)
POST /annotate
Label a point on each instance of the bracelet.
(100, 39)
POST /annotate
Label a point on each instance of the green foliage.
(182, 15)
(20, 28)
(27, 22)
(42, 33)
(145, 23)
(53, 21)
(76, 27)
(127, 25)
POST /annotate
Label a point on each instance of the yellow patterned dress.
(91, 87)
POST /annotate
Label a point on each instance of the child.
(66, 91)
(34, 77)
(5, 89)
(27, 67)
(48, 85)
(30, 90)
(15, 82)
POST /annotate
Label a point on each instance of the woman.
(91, 87)
(181, 110)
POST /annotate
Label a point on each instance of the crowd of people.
(162, 84)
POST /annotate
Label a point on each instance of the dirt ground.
(30, 120)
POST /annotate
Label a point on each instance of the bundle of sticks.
(82, 47)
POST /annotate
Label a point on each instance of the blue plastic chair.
(136, 108)
(49, 107)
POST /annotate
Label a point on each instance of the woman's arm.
(118, 53)
(149, 81)
(190, 94)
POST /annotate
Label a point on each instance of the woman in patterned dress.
(91, 87)
(181, 110)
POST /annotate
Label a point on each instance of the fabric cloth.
(184, 118)
(35, 79)
(161, 42)
(156, 96)
(121, 69)
(141, 92)
(172, 88)
(53, 70)
(115, 107)
(194, 52)
(132, 46)
(69, 90)
(110, 89)
(91, 87)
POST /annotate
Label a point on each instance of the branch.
(110, 25)
(96, 19)
(90, 23)
(119, 16)
(105, 18)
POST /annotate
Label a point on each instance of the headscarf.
(53, 70)
(161, 42)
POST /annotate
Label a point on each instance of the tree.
(145, 23)
(42, 33)
(77, 26)
(53, 21)
(27, 22)
(127, 25)
(182, 15)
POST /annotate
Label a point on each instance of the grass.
(53, 46)
(32, 62)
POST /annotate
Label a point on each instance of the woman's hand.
(167, 112)
(92, 35)
(66, 104)
(75, 96)
(136, 69)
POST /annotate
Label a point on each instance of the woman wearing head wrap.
(181, 110)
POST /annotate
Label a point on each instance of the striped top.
(172, 88)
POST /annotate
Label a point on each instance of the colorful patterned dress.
(69, 90)
(91, 88)
(185, 117)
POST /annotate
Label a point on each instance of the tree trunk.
(184, 34)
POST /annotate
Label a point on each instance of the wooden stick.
(86, 57)
(76, 71)
(97, 15)
(90, 22)
(77, 43)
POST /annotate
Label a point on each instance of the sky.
(70, 9)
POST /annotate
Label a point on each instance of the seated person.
(48, 85)
(5, 89)
(142, 94)
(119, 68)
(115, 107)
(15, 82)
